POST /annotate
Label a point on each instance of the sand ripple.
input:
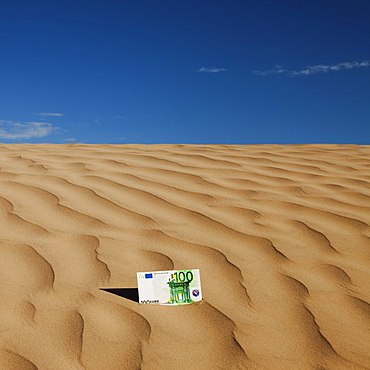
(281, 235)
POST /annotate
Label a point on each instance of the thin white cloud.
(43, 114)
(25, 130)
(277, 70)
(212, 70)
(309, 70)
(72, 139)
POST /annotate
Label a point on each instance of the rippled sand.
(280, 234)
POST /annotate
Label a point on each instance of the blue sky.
(193, 72)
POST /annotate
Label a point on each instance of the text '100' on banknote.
(172, 287)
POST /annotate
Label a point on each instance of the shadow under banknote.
(128, 293)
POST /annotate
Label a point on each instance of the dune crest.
(281, 235)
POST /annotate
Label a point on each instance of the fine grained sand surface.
(280, 234)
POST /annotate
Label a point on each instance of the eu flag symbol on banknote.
(173, 287)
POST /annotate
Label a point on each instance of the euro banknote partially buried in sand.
(173, 287)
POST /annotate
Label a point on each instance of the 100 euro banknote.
(172, 287)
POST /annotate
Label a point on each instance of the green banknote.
(172, 287)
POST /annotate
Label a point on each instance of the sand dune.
(281, 235)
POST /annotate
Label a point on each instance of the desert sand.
(280, 234)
